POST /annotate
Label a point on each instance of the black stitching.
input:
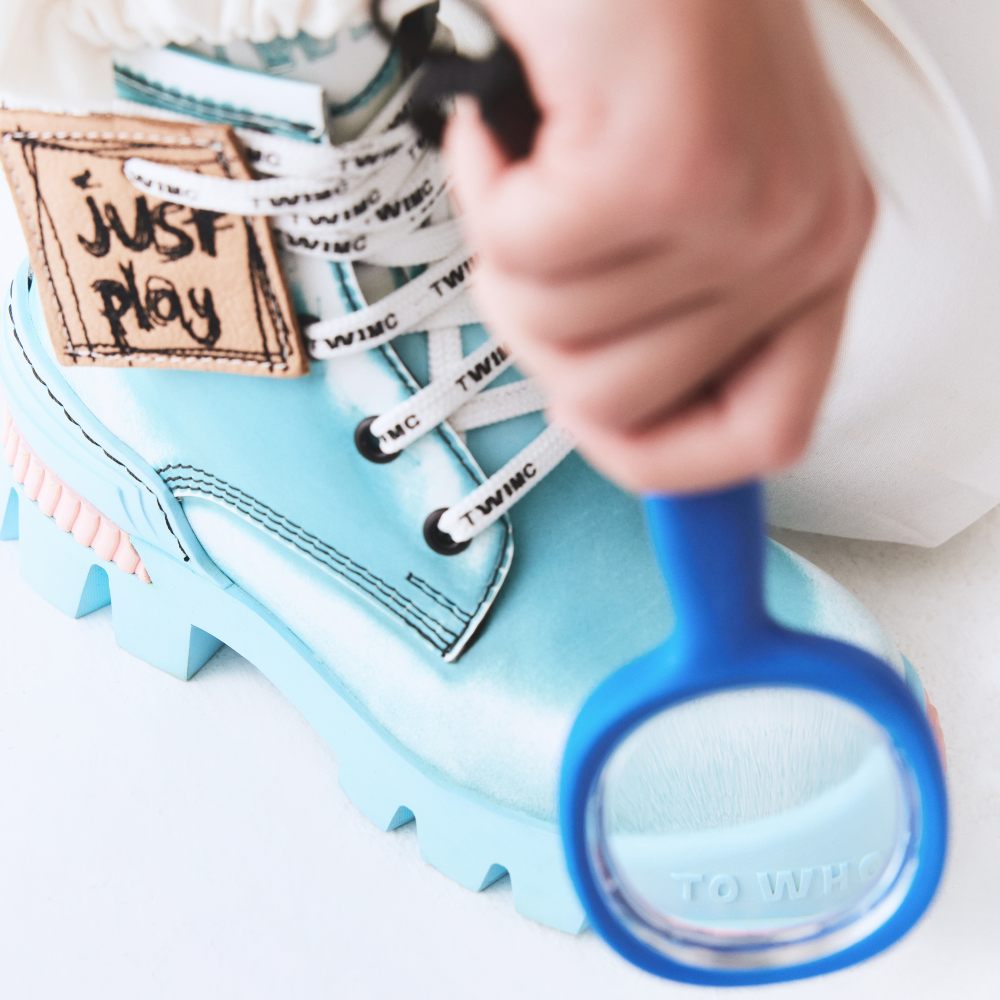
(406, 379)
(314, 547)
(87, 437)
(311, 545)
(257, 272)
(435, 595)
(230, 116)
(319, 546)
(110, 351)
(205, 490)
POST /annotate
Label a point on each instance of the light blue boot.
(445, 684)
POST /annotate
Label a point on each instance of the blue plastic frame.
(711, 552)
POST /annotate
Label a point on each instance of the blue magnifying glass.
(747, 804)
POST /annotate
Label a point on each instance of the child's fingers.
(645, 377)
(756, 423)
(644, 365)
(545, 217)
(653, 288)
(635, 382)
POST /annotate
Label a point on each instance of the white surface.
(161, 839)
(168, 840)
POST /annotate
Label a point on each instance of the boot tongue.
(302, 87)
(356, 70)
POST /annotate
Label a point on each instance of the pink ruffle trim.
(72, 514)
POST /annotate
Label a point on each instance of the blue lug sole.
(177, 623)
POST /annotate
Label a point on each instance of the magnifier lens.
(754, 828)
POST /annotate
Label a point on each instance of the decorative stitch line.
(435, 595)
(505, 554)
(321, 547)
(430, 638)
(86, 436)
(311, 545)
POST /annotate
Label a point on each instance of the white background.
(168, 840)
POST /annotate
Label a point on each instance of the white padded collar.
(56, 51)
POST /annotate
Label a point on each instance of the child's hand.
(673, 262)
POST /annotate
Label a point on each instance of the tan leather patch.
(127, 279)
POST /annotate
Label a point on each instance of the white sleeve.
(907, 448)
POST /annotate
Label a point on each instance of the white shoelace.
(380, 199)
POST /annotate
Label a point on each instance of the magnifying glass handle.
(710, 548)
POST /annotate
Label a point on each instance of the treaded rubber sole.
(176, 620)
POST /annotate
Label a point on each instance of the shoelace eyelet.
(367, 444)
(440, 541)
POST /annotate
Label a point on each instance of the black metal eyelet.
(367, 444)
(440, 541)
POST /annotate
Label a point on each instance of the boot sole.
(176, 620)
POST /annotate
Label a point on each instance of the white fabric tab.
(188, 82)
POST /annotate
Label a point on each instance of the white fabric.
(907, 448)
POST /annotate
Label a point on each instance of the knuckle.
(839, 235)
(700, 165)
(781, 439)
(508, 249)
(636, 477)
(515, 242)
(544, 322)
(867, 207)
(525, 317)
(531, 317)
(592, 405)
(705, 178)
(846, 229)
(584, 390)
(782, 204)
(632, 468)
